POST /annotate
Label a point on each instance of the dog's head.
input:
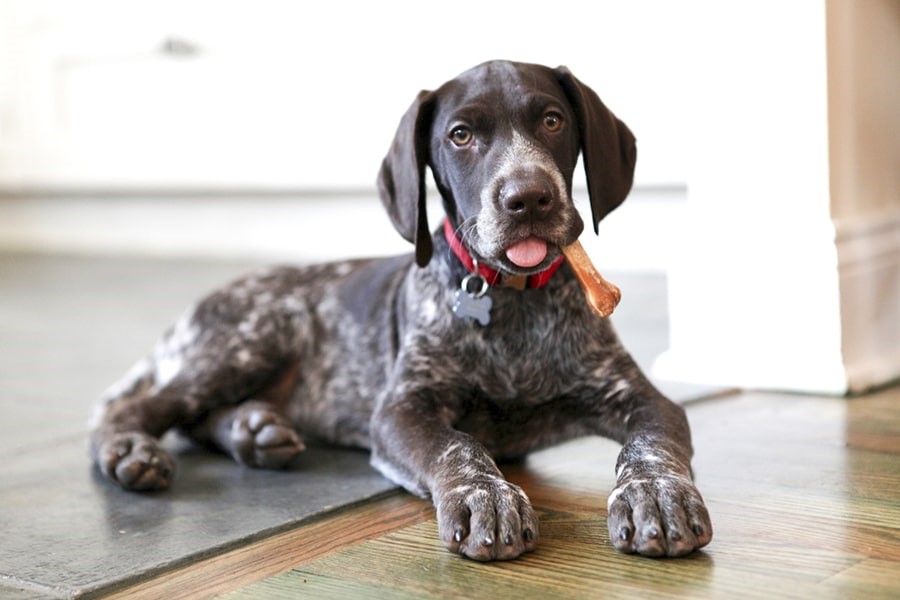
(502, 141)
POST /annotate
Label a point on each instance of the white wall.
(755, 288)
(299, 94)
(296, 96)
(768, 292)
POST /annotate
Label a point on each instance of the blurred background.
(765, 194)
(153, 102)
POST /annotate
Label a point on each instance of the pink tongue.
(527, 253)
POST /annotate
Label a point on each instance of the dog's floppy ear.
(607, 147)
(401, 181)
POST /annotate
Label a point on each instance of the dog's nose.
(526, 200)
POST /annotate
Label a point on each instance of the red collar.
(493, 276)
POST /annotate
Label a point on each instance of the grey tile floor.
(70, 326)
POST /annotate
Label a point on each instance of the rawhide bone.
(602, 296)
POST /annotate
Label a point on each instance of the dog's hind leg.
(253, 433)
(126, 444)
(256, 432)
(232, 346)
(126, 425)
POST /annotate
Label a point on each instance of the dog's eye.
(553, 121)
(461, 136)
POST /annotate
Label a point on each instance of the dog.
(477, 347)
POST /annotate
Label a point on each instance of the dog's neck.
(494, 276)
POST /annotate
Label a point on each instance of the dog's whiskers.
(466, 229)
(465, 232)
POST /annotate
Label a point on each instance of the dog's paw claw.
(490, 520)
(135, 461)
(662, 516)
(262, 438)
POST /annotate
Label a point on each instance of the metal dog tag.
(473, 304)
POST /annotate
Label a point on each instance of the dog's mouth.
(528, 256)
(530, 252)
(524, 249)
(535, 248)
(527, 253)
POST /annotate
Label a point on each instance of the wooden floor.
(804, 493)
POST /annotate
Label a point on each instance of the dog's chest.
(537, 345)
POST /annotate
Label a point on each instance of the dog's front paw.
(260, 437)
(487, 520)
(658, 516)
(136, 461)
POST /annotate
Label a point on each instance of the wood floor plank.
(871, 579)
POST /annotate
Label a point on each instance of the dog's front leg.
(480, 514)
(655, 509)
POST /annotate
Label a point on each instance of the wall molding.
(868, 251)
(866, 240)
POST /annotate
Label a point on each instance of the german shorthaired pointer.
(479, 347)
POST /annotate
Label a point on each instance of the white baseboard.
(869, 266)
(284, 227)
(265, 227)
